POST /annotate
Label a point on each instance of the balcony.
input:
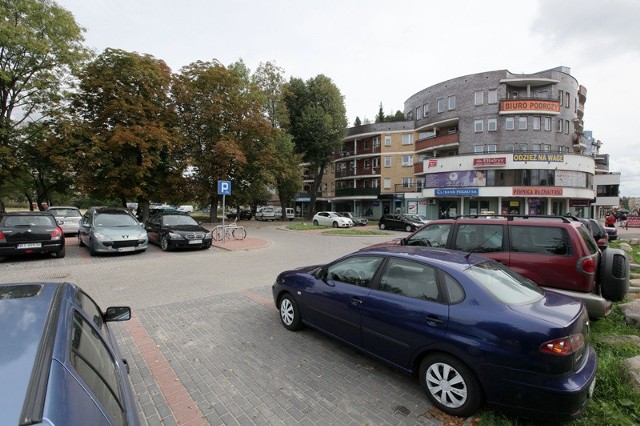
(580, 109)
(357, 192)
(582, 94)
(437, 142)
(372, 150)
(359, 172)
(402, 188)
(529, 106)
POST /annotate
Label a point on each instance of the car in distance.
(417, 218)
(245, 214)
(471, 329)
(266, 213)
(111, 230)
(187, 208)
(612, 232)
(177, 231)
(61, 365)
(399, 222)
(598, 232)
(332, 219)
(68, 218)
(553, 251)
(30, 232)
(357, 220)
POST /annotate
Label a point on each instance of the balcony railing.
(363, 172)
(438, 141)
(361, 151)
(418, 167)
(355, 192)
(413, 187)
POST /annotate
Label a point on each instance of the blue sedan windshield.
(505, 285)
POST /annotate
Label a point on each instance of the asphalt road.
(206, 345)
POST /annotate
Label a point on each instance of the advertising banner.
(455, 179)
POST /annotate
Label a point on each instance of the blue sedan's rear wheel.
(289, 313)
(450, 385)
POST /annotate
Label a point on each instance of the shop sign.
(461, 192)
(432, 163)
(512, 106)
(539, 156)
(579, 203)
(490, 162)
(536, 192)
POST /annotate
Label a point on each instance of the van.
(186, 209)
(289, 213)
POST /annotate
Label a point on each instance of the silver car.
(68, 217)
(111, 230)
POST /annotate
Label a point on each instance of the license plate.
(195, 241)
(121, 249)
(592, 387)
(29, 245)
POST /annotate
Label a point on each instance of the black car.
(398, 221)
(359, 221)
(177, 230)
(597, 230)
(245, 214)
(30, 232)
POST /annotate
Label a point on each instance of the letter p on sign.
(224, 187)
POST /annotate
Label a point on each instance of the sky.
(382, 52)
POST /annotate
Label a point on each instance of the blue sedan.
(472, 330)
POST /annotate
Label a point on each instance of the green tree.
(318, 123)
(40, 47)
(125, 132)
(221, 116)
(380, 117)
(357, 122)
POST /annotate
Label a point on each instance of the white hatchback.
(332, 219)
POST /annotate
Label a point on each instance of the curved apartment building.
(489, 142)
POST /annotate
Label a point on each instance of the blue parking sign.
(224, 187)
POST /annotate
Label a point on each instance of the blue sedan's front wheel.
(450, 385)
(289, 313)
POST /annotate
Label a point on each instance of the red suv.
(553, 251)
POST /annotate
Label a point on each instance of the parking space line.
(260, 299)
(184, 408)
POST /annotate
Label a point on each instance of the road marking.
(184, 408)
(256, 297)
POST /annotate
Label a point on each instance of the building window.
(375, 183)
(479, 98)
(387, 140)
(365, 144)
(324, 187)
(509, 147)
(452, 102)
(547, 124)
(522, 147)
(492, 148)
(492, 124)
(376, 142)
(387, 161)
(536, 123)
(509, 123)
(560, 96)
(425, 110)
(407, 160)
(418, 113)
(559, 126)
(536, 147)
(387, 183)
(410, 116)
(492, 97)
(522, 123)
(441, 105)
(567, 100)
(407, 139)
(478, 126)
(546, 148)
(376, 162)
(367, 164)
(566, 127)
(478, 149)
(407, 182)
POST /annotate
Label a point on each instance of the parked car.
(111, 230)
(553, 251)
(399, 221)
(153, 209)
(177, 230)
(612, 232)
(245, 214)
(185, 208)
(265, 213)
(60, 363)
(332, 219)
(30, 232)
(68, 217)
(470, 328)
(289, 213)
(417, 218)
(357, 220)
(598, 232)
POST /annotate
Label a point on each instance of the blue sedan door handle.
(356, 300)
(433, 320)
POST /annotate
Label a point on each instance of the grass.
(614, 401)
(356, 231)
(306, 227)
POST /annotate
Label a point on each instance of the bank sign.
(457, 192)
(539, 156)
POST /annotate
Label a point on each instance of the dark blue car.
(59, 363)
(471, 329)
